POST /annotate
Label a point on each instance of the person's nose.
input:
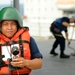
(9, 26)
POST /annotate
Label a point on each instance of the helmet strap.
(21, 46)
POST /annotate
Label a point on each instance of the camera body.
(15, 52)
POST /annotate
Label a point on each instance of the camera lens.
(15, 50)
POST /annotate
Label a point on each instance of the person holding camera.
(18, 50)
(56, 28)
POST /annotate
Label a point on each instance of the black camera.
(15, 52)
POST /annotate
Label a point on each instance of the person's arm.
(36, 56)
(67, 37)
(67, 24)
(31, 64)
(34, 63)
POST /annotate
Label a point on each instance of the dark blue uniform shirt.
(35, 53)
(59, 25)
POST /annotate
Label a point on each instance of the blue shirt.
(59, 25)
(35, 53)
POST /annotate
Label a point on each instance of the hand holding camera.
(15, 52)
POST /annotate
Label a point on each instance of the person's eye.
(5, 24)
(13, 23)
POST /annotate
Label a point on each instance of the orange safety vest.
(26, 51)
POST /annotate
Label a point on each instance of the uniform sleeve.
(66, 19)
(35, 53)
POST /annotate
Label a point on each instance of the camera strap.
(21, 46)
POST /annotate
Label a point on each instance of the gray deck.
(54, 65)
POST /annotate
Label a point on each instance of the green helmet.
(11, 13)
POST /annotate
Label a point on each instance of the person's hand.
(73, 25)
(68, 42)
(18, 62)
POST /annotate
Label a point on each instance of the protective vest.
(14, 41)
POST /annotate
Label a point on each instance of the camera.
(15, 52)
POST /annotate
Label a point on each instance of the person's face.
(9, 28)
(72, 20)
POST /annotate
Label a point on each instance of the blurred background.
(38, 14)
